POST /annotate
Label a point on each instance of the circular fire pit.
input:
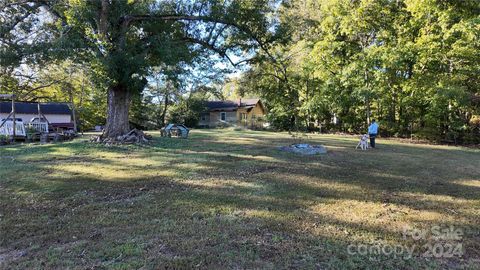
(305, 149)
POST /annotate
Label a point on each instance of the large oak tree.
(122, 39)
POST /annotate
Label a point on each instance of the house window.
(204, 117)
(243, 116)
(223, 116)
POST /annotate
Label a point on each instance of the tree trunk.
(367, 98)
(164, 112)
(367, 103)
(74, 114)
(119, 100)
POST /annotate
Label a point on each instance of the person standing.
(372, 132)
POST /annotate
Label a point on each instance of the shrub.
(4, 139)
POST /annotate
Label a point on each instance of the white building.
(57, 114)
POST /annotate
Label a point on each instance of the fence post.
(14, 132)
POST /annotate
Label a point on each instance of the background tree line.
(412, 64)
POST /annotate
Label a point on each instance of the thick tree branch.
(179, 17)
(221, 52)
(103, 20)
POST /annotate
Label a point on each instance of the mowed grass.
(231, 199)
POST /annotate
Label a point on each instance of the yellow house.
(249, 113)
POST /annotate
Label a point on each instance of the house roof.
(225, 104)
(31, 108)
(249, 102)
(231, 105)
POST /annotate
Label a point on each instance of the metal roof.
(231, 105)
(31, 108)
(226, 104)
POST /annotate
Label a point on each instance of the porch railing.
(39, 126)
(7, 129)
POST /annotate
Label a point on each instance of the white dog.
(363, 143)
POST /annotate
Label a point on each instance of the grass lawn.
(231, 199)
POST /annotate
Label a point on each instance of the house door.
(243, 118)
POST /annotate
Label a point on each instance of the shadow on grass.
(241, 203)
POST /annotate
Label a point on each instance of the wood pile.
(133, 136)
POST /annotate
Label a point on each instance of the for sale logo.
(437, 242)
(442, 242)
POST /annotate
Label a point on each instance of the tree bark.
(119, 100)
(164, 112)
(74, 114)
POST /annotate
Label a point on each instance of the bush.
(4, 139)
(187, 111)
(471, 138)
(428, 133)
